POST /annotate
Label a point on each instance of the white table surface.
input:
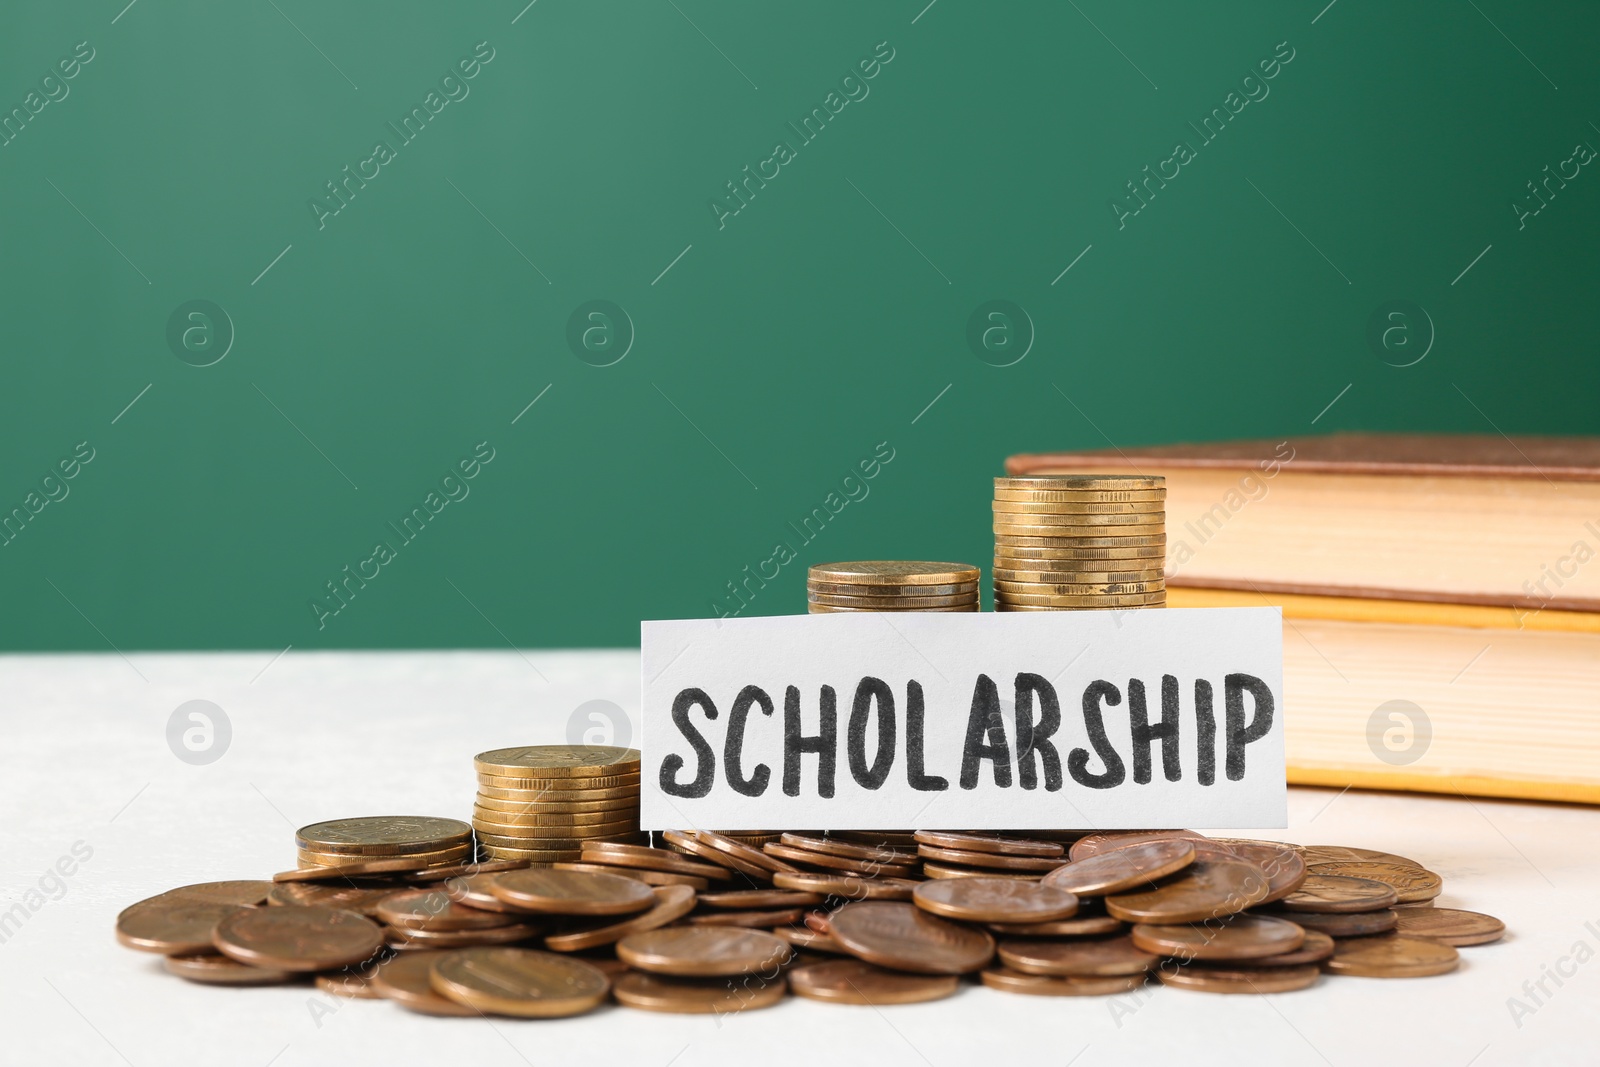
(320, 735)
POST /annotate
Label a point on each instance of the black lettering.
(1240, 735)
(825, 743)
(705, 760)
(1205, 744)
(915, 759)
(1035, 737)
(986, 737)
(1144, 734)
(1094, 724)
(871, 691)
(733, 742)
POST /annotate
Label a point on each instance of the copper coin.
(1449, 925)
(558, 761)
(1392, 957)
(647, 877)
(474, 890)
(351, 898)
(987, 900)
(1411, 884)
(555, 892)
(698, 996)
(245, 893)
(353, 982)
(1009, 846)
(1206, 889)
(738, 850)
(651, 859)
(519, 981)
(298, 938)
(802, 937)
(1314, 854)
(990, 860)
(536, 838)
(849, 849)
(211, 969)
(1007, 980)
(1237, 937)
(702, 951)
(745, 899)
(1316, 947)
(758, 920)
(1338, 893)
(1118, 869)
(903, 840)
(406, 980)
(905, 938)
(1231, 979)
(849, 886)
(934, 870)
(673, 902)
(1282, 865)
(383, 835)
(1090, 844)
(1085, 956)
(310, 857)
(871, 868)
(691, 845)
(174, 926)
(434, 909)
(1348, 923)
(345, 871)
(403, 940)
(1081, 926)
(852, 981)
(464, 870)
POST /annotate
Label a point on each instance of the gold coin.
(590, 824)
(1206, 889)
(827, 609)
(866, 590)
(647, 877)
(1392, 957)
(1346, 923)
(1008, 981)
(553, 892)
(211, 969)
(859, 982)
(557, 788)
(531, 796)
(1080, 926)
(1119, 600)
(1063, 539)
(987, 900)
(1339, 893)
(310, 858)
(1235, 979)
(537, 857)
(1030, 571)
(689, 996)
(1001, 605)
(1345, 854)
(1449, 925)
(297, 938)
(1084, 496)
(1119, 869)
(1411, 884)
(879, 603)
(1080, 514)
(1082, 481)
(1234, 938)
(383, 835)
(558, 761)
(1076, 533)
(1066, 588)
(702, 951)
(172, 927)
(903, 937)
(528, 838)
(899, 572)
(1080, 957)
(555, 807)
(405, 979)
(1071, 554)
(519, 981)
(847, 886)
(672, 903)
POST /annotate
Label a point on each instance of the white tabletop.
(86, 763)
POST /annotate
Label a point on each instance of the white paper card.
(1131, 719)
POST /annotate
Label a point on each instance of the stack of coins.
(542, 802)
(387, 842)
(1079, 541)
(891, 585)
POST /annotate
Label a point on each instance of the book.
(1502, 521)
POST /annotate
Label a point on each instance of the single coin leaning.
(673, 902)
(702, 951)
(247, 892)
(854, 981)
(1333, 893)
(1206, 889)
(1316, 947)
(905, 938)
(1449, 925)
(519, 981)
(172, 927)
(1212, 979)
(407, 980)
(1237, 937)
(1007, 980)
(1080, 957)
(554, 892)
(383, 834)
(292, 938)
(1411, 884)
(1392, 957)
(356, 869)
(1340, 924)
(1105, 840)
(211, 969)
(434, 909)
(697, 996)
(558, 761)
(1010, 846)
(1119, 869)
(1082, 926)
(350, 898)
(985, 900)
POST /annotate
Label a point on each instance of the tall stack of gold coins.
(891, 585)
(1074, 541)
(542, 802)
(423, 841)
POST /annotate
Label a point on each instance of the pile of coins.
(543, 803)
(891, 585)
(354, 847)
(710, 924)
(1079, 541)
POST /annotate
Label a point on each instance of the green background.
(778, 351)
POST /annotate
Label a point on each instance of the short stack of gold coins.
(422, 840)
(542, 802)
(891, 585)
(1066, 542)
